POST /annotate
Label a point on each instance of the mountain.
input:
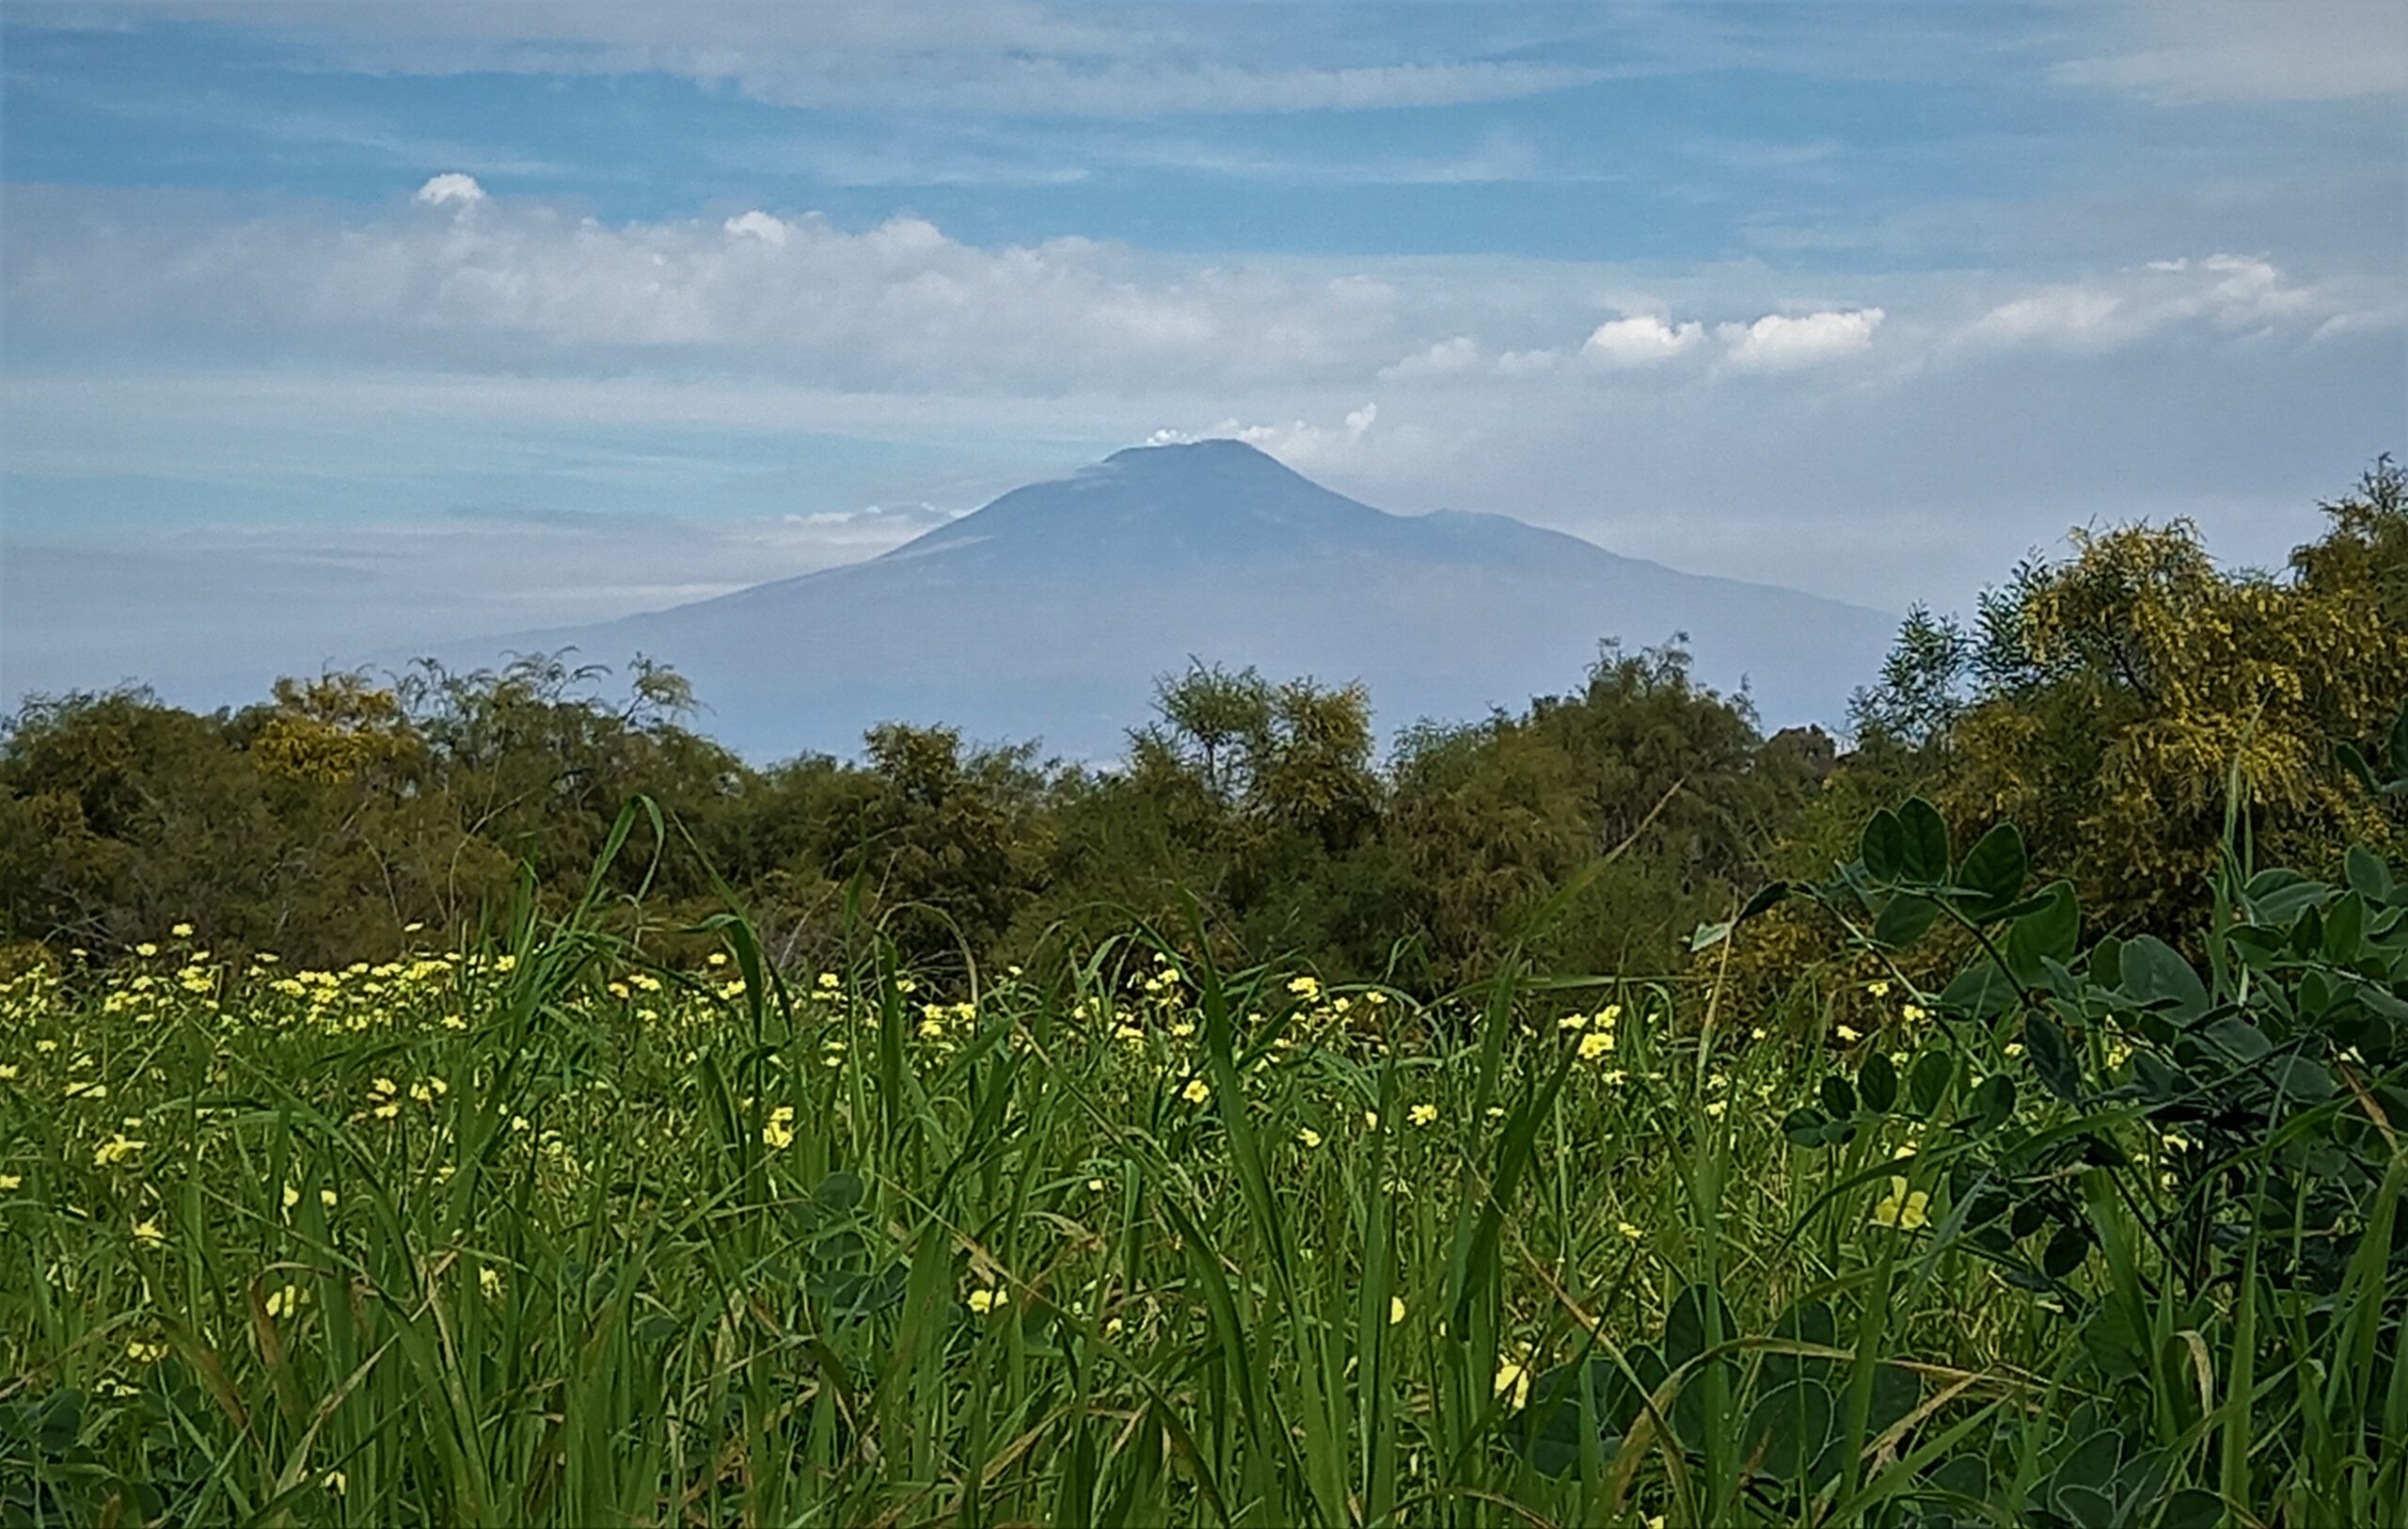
(1049, 612)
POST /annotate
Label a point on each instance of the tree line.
(2120, 703)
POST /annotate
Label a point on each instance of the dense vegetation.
(2099, 702)
(1596, 1115)
(562, 1233)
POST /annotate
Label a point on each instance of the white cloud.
(898, 303)
(1447, 357)
(1779, 342)
(2222, 294)
(1527, 363)
(1640, 339)
(452, 189)
(757, 225)
(2077, 317)
(1307, 447)
(2187, 51)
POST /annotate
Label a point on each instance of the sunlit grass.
(562, 1236)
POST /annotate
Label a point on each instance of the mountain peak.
(1052, 610)
(1167, 452)
(1220, 460)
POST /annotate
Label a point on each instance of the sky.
(329, 328)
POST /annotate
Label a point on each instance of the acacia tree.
(2124, 699)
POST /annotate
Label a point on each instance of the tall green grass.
(1142, 1242)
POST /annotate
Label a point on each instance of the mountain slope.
(1050, 612)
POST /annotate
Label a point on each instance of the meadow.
(561, 1229)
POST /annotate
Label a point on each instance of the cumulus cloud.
(499, 283)
(1640, 339)
(452, 189)
(1779, 342)
(900, 303)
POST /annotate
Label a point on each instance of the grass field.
(559, 1234)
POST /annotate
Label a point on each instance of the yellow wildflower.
(1422, 1114)
(1514, 1377)
(115, 1150)
(1396, 1309)
(1902, 1208)
(150, 1232)
(985, 1299)
(1310, 1137)
(1596, 1044)
(1196, 1091)
(182, 931)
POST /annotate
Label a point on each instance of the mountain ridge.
(1049, 612)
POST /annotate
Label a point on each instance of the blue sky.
(330, 327)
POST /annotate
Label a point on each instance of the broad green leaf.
(2049, 932)
(2276, 898)
(1995, 870)
(2368, 875)
(1788, 1428)
(2156, 974)
(1838, 1097)
(1882, 847)
(1992, 1101)
(2300, 1081)
(1877, 1083)
(2052, 1059)
(1924, 853)
(2066, 1253)
(1685, 1325)
(1927, 1084)
(1905, 920)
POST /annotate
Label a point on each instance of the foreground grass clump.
(561, 1235)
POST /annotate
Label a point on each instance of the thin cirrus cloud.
(2233, 296)
(951, 59)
